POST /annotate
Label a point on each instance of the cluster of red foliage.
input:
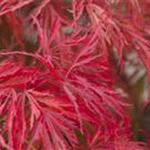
(56, 80)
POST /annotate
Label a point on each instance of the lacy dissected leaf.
(54, 117)
(57, 80)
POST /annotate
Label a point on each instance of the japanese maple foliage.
(57, 81)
